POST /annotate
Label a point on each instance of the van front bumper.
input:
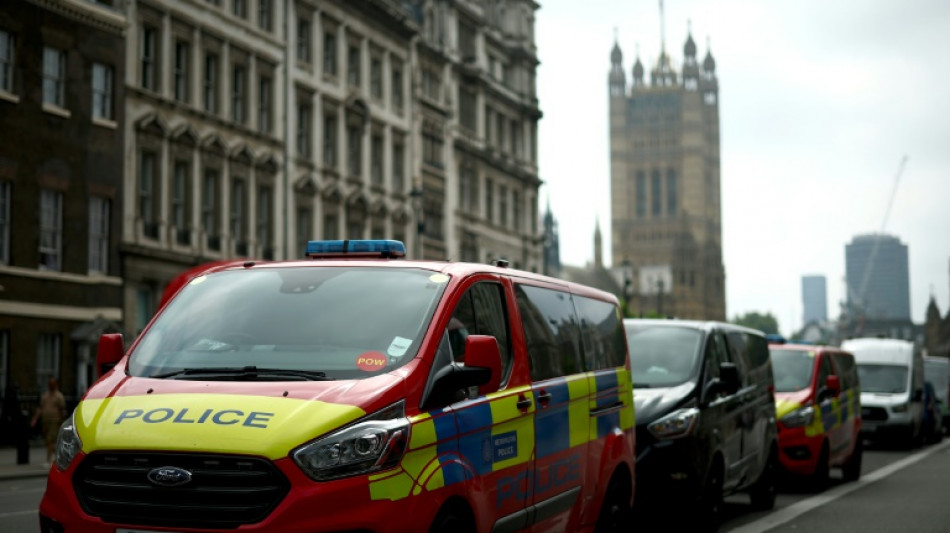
(668, 469)
(309, 507)
(798, 452)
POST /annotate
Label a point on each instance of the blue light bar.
(356, 248)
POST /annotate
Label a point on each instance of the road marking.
(19, 513)
(801, 507)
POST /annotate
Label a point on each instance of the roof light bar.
(356, 248)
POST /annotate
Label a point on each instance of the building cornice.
(58, 312)
(49, 275)
(87, 12)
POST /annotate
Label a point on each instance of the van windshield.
(792, 369)
(662, 356)
(882, 378)
(322, 322)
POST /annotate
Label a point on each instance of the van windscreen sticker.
(399, 346)
(438, 278)
(371, 361)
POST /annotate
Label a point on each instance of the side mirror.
(833, 385)
(729, 374)
(727, 382)
(918, 396)
(481, 352)
(482, 368)
(109, 352)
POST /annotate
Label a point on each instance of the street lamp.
(415, 197)
(627, 269)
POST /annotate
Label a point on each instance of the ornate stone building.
(256, 126)
(665, 184)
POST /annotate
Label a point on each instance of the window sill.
(56, 110)
(9, 97)
(105, 123)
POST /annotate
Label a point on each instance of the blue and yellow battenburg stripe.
(490, 433)
(828, 415)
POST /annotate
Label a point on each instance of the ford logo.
(169, 476)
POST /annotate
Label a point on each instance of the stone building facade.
(256, 126)
(61, 169)
(665, 184)
(187, 131)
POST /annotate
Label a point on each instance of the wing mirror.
(109, 352)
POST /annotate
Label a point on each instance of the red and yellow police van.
(356, 391)
(818, 405)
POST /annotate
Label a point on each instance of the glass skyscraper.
(877, 271)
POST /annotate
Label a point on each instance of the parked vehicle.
(356, 391)
(933, 418)
(818, 405)
(892, 389)
(937, 371)
(705, 416)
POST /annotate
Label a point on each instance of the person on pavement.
(52, 413)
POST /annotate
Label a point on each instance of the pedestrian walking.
(51, 413)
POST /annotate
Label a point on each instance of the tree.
(755, 320)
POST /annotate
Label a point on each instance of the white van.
(891, 373)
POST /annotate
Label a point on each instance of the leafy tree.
(764, 322)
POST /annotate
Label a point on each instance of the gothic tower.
(665, 184)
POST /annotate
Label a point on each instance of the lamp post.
(415, 197)
(627, 268)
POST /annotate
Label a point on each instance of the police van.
(356, 391)
(818, 405)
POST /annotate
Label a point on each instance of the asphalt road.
(900, 490)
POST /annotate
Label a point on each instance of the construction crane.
(858, 298)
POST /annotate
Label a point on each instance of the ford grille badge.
(169, 476)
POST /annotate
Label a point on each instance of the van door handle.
(544, 398)
(524, 403)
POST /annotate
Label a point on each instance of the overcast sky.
(819, 101)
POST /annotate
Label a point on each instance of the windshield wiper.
(245, 373)
(641, 385)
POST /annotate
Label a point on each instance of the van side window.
(715, 355)
(550, 330)
(736, 343)
(824, 370)
(602, 333)
(847, 372)
(481, 311)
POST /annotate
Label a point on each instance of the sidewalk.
(9, 469)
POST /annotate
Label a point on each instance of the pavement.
(9, 469)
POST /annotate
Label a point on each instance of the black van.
(705, 408)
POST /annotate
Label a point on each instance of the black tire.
(762, 493)
(615, 511)
(851, 469)
(822, 474)
(452, 519)
(709, 504)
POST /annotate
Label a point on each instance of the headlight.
(899, 408)
(68, 444)
(799, 417)
(375, 442)
(676, 424)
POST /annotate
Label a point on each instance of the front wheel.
(851, 469)
(762, 493)
(615, 511)
(709, 506)
(822, 476)
(450, 520)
